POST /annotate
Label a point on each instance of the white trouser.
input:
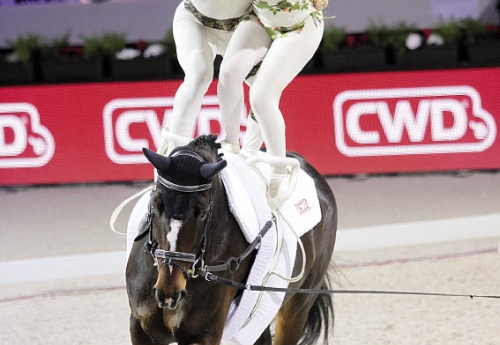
(197, 46)
(282, 59)
(252, 141)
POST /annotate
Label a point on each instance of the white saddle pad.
(246, 189)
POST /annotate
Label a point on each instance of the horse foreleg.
(265, 338)
(150, 332)
(137, 334)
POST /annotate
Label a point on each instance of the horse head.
(180, 208)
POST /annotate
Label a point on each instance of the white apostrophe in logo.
(20, 129)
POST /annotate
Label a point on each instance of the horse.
(189, 223)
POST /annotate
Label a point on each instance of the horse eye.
(203, 213)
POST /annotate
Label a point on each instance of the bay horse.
(189, 221)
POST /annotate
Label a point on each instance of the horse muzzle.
(168, 302)
(170, 287)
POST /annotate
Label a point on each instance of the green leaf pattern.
(286, 6)
(283, 6)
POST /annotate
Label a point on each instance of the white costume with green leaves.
(284, 36)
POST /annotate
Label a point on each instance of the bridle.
(174, 258)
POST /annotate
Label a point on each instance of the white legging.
(282, 59)
(197, 46)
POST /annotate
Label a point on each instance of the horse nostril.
(177, 296)
(160, 297)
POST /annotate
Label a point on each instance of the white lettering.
(120, 114)
(130, 117)
(23, 120)
(404, 118)
(352, 123)
(455, 108)
(441, 112)
(18, 145)
(117, 134)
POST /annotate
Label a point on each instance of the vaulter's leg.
(170, 141)
(275, 73)
(246, 48)
(253, 140)
(196, 56)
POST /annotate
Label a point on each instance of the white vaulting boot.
(163, 147)
(283, 180)
(278, 191)
(229, 147)
(168, 143)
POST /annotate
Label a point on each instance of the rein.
(232, 264)
(219, 280)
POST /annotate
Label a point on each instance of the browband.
(186, 189)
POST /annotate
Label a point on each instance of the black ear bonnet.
(182, 178)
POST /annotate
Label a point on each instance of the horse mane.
(209, 142)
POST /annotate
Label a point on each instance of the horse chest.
(173, 318)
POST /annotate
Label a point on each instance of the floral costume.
(284, 35)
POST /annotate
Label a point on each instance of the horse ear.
(209, 170)
(160, 162)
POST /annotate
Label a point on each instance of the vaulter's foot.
(229, 147)
(277, 192)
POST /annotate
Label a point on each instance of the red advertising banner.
(386, 122)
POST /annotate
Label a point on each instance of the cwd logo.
(24, 141)
(133, 123)
(406, 121)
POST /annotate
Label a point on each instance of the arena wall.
(359, 123)
(149, 19)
